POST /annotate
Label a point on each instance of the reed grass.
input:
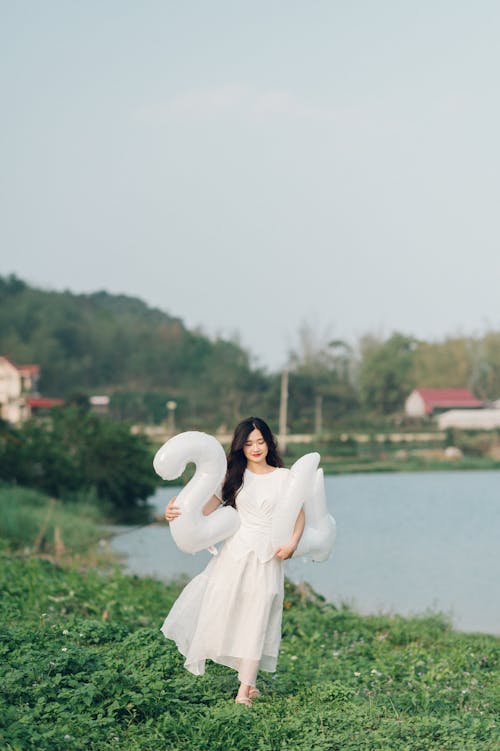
(32, 522)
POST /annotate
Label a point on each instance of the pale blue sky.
(250, 165)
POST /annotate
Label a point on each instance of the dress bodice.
(255, 503)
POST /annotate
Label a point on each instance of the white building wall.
(470, 419)
(13, 407)
(415, 405)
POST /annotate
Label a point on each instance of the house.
(99, 404)
(38, 404)
(17, 383)
(19, 396)
(470, 419)
(428, 402)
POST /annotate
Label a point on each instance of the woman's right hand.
(171, 510)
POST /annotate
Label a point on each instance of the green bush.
(475, 443)
(77, 452)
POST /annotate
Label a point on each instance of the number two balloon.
(193, 531)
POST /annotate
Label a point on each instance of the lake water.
(406, 543)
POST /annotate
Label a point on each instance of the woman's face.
(255, 448)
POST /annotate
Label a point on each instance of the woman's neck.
(258, 468)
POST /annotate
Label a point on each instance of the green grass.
(29, 519)
(356, 465)
(353, 458)
(84, 666)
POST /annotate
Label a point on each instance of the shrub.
(79, 452)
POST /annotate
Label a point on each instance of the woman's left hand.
(285, 551)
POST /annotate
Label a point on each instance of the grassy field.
(32, 522)
(356, 465)
(413, 456)
(84, 666)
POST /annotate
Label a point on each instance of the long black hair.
(236, 460)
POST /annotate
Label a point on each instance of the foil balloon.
(306, 488)
(192, 530)
(318, 537)
(300, 481)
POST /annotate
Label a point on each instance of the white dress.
(231, 612)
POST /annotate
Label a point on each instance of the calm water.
(406, 543)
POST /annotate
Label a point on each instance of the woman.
(231, 612)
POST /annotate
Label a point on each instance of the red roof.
(448, 399)
(40, 401)
(31, 369)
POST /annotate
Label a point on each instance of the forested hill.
(142, 357)
(117, 344)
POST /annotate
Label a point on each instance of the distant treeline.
(142, 357)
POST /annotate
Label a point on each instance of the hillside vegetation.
(142, 357)
(119, 345)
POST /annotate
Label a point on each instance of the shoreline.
(415, 465)
(412, 464)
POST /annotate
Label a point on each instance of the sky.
(253, 166)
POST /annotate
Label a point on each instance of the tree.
(78, 451)
(386, 372)
(321, 390)
(117, 344)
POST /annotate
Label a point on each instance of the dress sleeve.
(218, 491)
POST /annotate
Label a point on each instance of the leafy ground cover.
(84, 666)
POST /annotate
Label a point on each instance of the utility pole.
(283, 410)
(171, 407)
(318, 415)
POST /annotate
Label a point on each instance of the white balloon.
(320, 531)
(306, 487)
(192, 530)
(300, 482)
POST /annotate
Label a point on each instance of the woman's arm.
(286, 551)
(172, 511)
(211, 505)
